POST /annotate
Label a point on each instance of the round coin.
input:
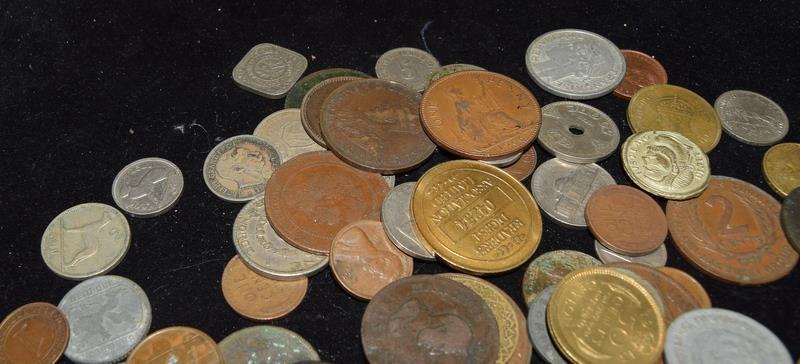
(692, 285)
(284, 130)
(259, 298)
(524, 166)
(577, 133)
(790, 218)
(147, 187)
(641, 70)
(294, 98)
(657, 258)
(450, 69)
(396, 218)
(35, 333)
(237, 169)
(503, 162)
(751, 118)
(537, 328)
(549, 268)
(268, 345)
(311, 108)
(781, 167)
(408, 66)
(177, 344)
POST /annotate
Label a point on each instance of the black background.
(87, 88)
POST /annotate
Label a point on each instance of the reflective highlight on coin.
(268, 345)
(408, 66)
(177, 344)
(237, 169)
(562, 189)
(269, 70)
(284, 130)
(781, 167)
(524, 166)
(751, 118)
(396, 217)
(657, 258)
(147, 187)
(576, 132)
(35, 333)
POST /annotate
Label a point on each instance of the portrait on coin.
(245, 166)
(668, 161)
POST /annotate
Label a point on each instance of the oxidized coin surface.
(657, 258)
(266, 345)
(428, 319)
(549, 268)
(781, 167)
(537, 328)
(575, 64)
(578, 133)
(732, 233)
(751, 118)
(476, 217)
(85, 240)
(375, 125)
(237, 169)
(790, 218)
(177, 344)
(396, 218)
(35, 333)
(107, 317)
(284, 130)
(260, 298)
(147, 187)
(641, 70)
(480, 115)
(692, 285)
(295, 96)
(311, 108)
(450, 69)
(410, 67)
(562, 189)
(524, 166)
(269, 70)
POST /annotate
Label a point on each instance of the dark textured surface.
(86, 89)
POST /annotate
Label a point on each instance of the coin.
(476, 217)
(296, 94)
(284, 130)
(575, 64)
(374, 125)
(641, 70)
(751, 118)
(396, 217)
(790, 218)
(35, 333)
(548, 269)
(562, 189)
(576, 132)
(732, 233)
(647, 286)
(314, 195)
(626, 220)
(389, 179)
(427, 319)
(657, 258)
(690, 284)
(537, 328)
(85, 240)
(408, 66)
(269, 70)
(311, 108)
(107, 317)
(666, 164)
(480, 115)
(177, 344)
(260, 298)
(237, 169)
(452, 68)
(147, 187)
(715, 335)
(267, 345)
(781, 167)
(503, 162)
(524, 166)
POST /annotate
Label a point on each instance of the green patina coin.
(295, 96)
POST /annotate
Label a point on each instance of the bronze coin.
(732, 233)
(314, 195)
(480, 115)
(428, 319)
(374, 125)
(311, 108)
(34, 333)
(177, 344)
(260, 298)
(692, 285)
(524, 166)
(626, 220)
(641, 70)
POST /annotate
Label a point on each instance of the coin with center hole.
(576, 132)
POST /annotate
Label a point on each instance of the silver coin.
(504, 162)
(269, 70)
(751, 118)
(452, 68)
(575, 64)
(537, 328)
(107, 317)
(577, 133)
(562, 189)
(389, 179)
(266, 345)
(657, 258)
(147, 187)
(237, 169)
(284, 130)
(410, 67)
(716, 335)
(86, 240)
(265, 252)
(396, 218)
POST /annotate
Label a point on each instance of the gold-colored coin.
(600, 315)
(476, 217)
(666, 164)
(781, 167)
(674, 108)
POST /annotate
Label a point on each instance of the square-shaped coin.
(269, 70)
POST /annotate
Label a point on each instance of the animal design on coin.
(178, 344)
(147, 187)
(35, 333)
(751, 118)
(269, 70)
(237, 169)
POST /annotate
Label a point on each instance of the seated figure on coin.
(480, 118)
(669, 161)
(247, 168)
(440, 334)
(377, 263)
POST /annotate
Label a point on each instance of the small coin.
(781, 167)
(311, 107)
(260, 298)
(294, 99)
(692, 285)
(177, 344)
(35, 333)
(524, 166)
(85, 240)
(537, 328)
(237, 169)
(107, 317)
(576, 132)
(657, 258)
(641, 70)
(452, 68)
(147, 187)
(751, 118)
(284, 130)
(562, 189)
(408, 66)
(548, 269)
(503, 162)
(267, 345)
(396, 218)
(790, 218)
(269, 70)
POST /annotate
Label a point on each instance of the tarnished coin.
(537, 328)
(524, 166)
(177, 344)
(452, 68)
(715, 335)
(396, 218)
(85, 240)
(284, 130)
(269, 70)
(408, 66)
(790, 218)
(666, 164)
(428, 319)
(480, 115)
(266, 345)
(107, 317)
(657, 258)
(237, 169)
(35, 333)
(147, 187)
(641, 70)
(732, 233)
(692, 285)
(562, 189)
(781, 167)
(548, 269)
(295, 96)
(576, 132)
(751, 118)
(311, 108)
(260, 298)
(575, 64)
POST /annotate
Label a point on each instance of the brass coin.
(36, 333)
(260, 298)
(692, 285)
(548, 269)
(176, 344)
(781, 168)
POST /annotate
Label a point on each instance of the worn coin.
(237, 169)
(266, 345)
(177, 344)
(503, 162)
(576, 132)
(408, 66)
(85, 240)
(537, 328)
(781, 167)
(641, 70)
(107, 316)
(524, 166)
(790, 218)
(657, 258)
(260, 298)
(751, 118)
(269, 70)
(548, 269)
(35, 333)
(294, 99)
(452, 68)
(147, 187)
(311, 108)
(692, 285)
(396, 217)
(284, 130)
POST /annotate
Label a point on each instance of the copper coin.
(429, 319)
(34, 333)
(311, 108)
(314, 195)
(364, 260)
(480, 115)
(260, 298)
(732, 233)
(641, 70)
(692, 285)
(374, 125)
(626, 220)
(524, 166)
(177, 344)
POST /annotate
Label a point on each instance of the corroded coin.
(295, 96)
(266, 345)
(732, 233)
(657, 258)
(548, 269)
(641, 70)
(452, 68)
(781, 167)
(237, 169)
(537, 328)
(408, 66)
(480, 115)
(85, 240)
(284, 130)
(269, 70)
(692, 285)
(396, 218)
(524, 166)
(751, 118)
(790, 218)
(260, 298)
(177, 344)
(147, 187)
(35, 333)
(428, 319)
(311, 108)
(576, 132)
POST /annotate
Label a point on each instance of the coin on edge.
(38, 323)
(269, 70)
(692, 285)
(751, 118)
(524, 166)
(311, 107)
(237, 169)
(790, 218)
(408, 66)
(147, 187)
(268, 345)
(257, 297)
(576, 132)
(641, 70)
(284, 130)
(450, 69)
(178, 343)
(549, 268)
(537, 328)
(657, 258)
(781, 167)
(396, 218)
(294, 98)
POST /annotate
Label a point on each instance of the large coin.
(260, 298)
(641, 70)
(692, 285)
(311, 108)
(781, 167)
(269, 70)
(237, 169)
(549, 268)
(751, 118)
(396, 217)
(578, 133)
(524, 166)
(790, 218)
(295, 96)
(410, 67)
(147, 187)
(177, 344)
(537, 328)
(35, 333)
(450, 69)
(657, 258)
(266, 345)
(284, 130)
